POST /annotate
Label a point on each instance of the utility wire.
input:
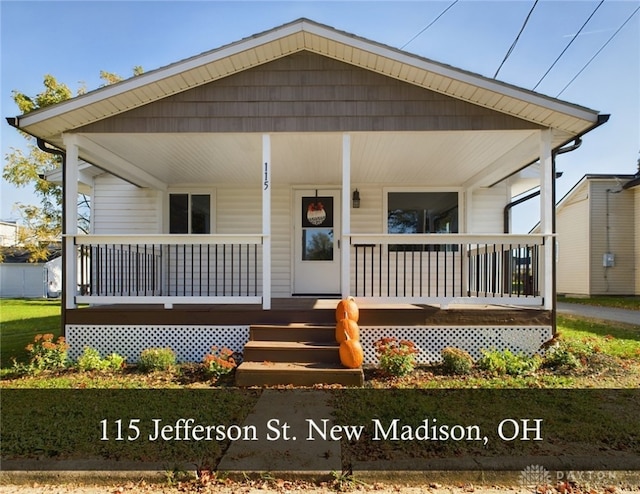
(570, 43)
(515, 41)
(598, 52)
(430, 24)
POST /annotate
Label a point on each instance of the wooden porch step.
(294, 354)
(296, 373)
(292, 332)
(291, 351)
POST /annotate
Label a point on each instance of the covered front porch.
(256, 244)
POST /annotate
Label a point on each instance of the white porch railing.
(168, 269)
(214, 269)
(448, 268)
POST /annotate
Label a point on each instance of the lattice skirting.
(193, 342)
(430, 340)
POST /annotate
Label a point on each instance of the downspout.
(507, 216)
(63, 297)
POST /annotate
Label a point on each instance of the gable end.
(307, 92)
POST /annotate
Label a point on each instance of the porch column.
(546, 215)
(70, 220)
(345, 252)
(266, 221)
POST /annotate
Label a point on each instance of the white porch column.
(546, 215)
(70, 220)
(345, 251)
(266, 221)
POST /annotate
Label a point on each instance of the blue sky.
(74, 40)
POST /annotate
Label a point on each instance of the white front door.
(316, 266)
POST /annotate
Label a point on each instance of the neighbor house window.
(190, 213)
(422, 212)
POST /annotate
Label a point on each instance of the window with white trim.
(421, 212)
(190, 213)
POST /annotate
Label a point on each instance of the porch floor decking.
(308, 310)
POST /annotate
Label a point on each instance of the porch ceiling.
(451, 158)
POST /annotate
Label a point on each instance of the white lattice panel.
(430, 340)
(190, 343)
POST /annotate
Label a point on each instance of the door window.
(317, 228)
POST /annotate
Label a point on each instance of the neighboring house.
(8, 233)
(598, 232)
(249, 184)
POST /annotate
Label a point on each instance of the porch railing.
(448, 268)
(169, 268)
(432, 268)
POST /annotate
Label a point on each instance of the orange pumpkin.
(347, 327)
(351, 353)
(347, 309)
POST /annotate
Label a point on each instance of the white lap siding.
(119, 207)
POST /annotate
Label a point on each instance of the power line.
(430, 24)
(598, 52)
(570, 43)
(515, 41)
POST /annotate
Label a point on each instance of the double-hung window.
(421, 212)
(190, 213)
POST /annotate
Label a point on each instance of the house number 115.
(132, 429)
(266, 176)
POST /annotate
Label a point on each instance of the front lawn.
(21, 320)
(631, 303)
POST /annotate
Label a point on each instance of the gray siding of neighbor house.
(636, 193)
(573, 239)
(612, 230)
(307, 92)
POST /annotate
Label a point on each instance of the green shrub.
(396, 358)
(507, 363)
(568, 355)
(456, 361)
(115, 362)
(157, 359)
(90, 360)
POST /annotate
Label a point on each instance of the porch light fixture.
(355, 199)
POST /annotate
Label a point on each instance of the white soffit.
(300, 35)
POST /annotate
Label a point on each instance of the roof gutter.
(602, 119)
(577, 142)
(635, 181)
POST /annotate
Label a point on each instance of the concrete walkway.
(612, 314)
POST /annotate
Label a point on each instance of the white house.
(253, 183)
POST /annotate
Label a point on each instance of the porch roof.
(514, 147)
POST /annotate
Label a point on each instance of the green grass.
(615, 340)
(21, 320)
(632, 303)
